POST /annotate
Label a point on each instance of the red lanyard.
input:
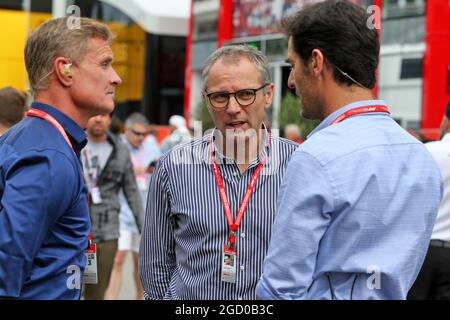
(43, 115)
(223, 194)
(361, 110)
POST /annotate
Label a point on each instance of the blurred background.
(161, 47)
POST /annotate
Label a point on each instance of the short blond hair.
(55, 38)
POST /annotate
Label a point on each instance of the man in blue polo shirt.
(44, 219)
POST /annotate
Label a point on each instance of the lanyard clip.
(232, 240)
(89, 240)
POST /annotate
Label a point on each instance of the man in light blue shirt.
(359, 199)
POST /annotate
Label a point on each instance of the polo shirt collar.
(70, 126)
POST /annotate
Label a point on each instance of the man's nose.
(291, 81)
(233, 106)
(116, 80)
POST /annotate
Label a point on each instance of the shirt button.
(242, 267)
(235, 173)
(242, 235)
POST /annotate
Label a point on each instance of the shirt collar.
(223, 159)
(72, 129)
(328, 120)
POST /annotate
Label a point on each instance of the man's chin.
(107, 108)
(97, 133)
(307, 115)
(235, 138)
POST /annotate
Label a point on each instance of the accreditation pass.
(228, 265)
(90, 272)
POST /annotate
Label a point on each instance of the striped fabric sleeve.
(157, 252)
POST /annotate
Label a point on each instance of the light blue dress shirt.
(355, 212)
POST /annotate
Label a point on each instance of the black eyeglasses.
(244, 97)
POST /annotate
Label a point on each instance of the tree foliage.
(201, 114)
(290, 113)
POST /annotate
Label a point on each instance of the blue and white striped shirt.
(186, 228)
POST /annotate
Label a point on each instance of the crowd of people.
(356, 210)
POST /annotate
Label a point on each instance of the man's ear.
(269, 95)
(62, 71)
(317, 61)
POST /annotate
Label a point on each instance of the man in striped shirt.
(212, 201)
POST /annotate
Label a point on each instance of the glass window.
(411, 68)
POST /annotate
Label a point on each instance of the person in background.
(151, 135)
(196, 212)
(360, 195)
(143, 153)
(292, 132)
(433, 281)
(117, 126)
(180, 133)
(108, 169)
(12, 108)
(44, 216)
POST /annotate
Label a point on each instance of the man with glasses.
(214, 198)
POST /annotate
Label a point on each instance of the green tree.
(290, 113)
(201, 113)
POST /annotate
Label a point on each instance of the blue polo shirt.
(44, 218)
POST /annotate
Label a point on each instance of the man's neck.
(3, 129)
(339, 96)
(64, 105)
(243, 152)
